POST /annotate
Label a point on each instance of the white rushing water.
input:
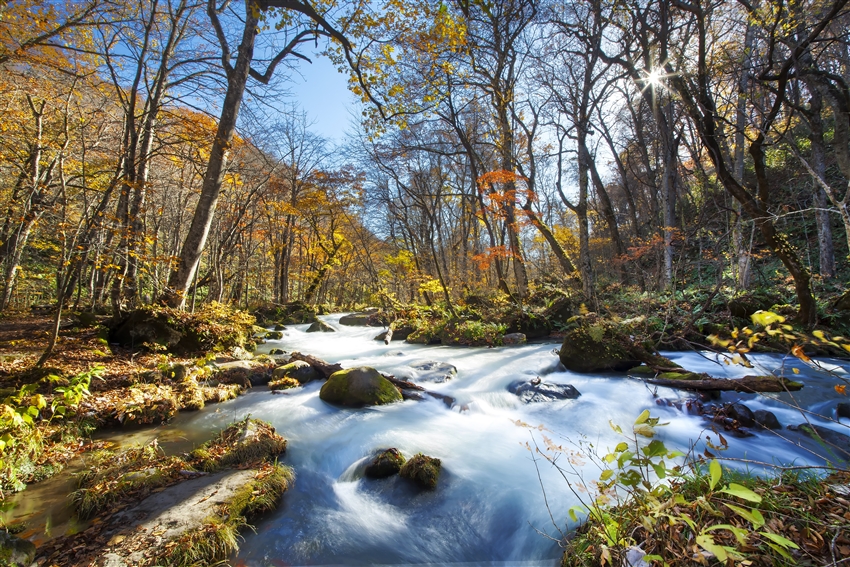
(489, 506)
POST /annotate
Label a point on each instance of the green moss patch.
(423, 470)
(358, 387)
(385, 464)
(246, 443)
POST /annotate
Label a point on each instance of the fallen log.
(324, 368)
(389, 335)
(745, 384)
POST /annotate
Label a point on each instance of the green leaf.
(739, 533)
(784, 542)
(660, 470)
(621, 447)
(573, 510)
(707, 543)
(655, 449)
(615, 427)
(753, 516)
(780, 551)
(606, 474)
(644, 415)
(715, 472)
(741, 492)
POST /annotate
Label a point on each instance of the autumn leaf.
(841, 389)
(797, 351)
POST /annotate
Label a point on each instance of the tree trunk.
(196, 238)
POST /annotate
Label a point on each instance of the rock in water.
(387, 463)
(537, 391)
(742, 414)
(297, 369)
(514, 339)
(837, 444)
(320, 327)
(15, 551)
(423, 470)
(598, 345)
(767, 419)
(358, 387)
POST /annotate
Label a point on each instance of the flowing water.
(493, 501)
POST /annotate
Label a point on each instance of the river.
(493, 501)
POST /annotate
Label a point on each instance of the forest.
(642, 175)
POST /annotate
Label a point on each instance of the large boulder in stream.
(368, 318)
(297, 370)
(320, 327)
(538, 391)
(432, 371)
(598, 345)
(358, 387)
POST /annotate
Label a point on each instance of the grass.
(219, 536)
(247, 442)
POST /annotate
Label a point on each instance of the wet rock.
(15, 551)
(297, 370)
(842, 410)
(423, 470)
(358, 387)
(432, 371)
(767, 419)
(367, 318)
(843, 302)
(837, 444)
(514, 339)
(399, 334)
(320, 327)
(279, 327)
(538, 391)
(276, 351)
(741, 413)
(386, 464)
(690, 406)
(273, 336)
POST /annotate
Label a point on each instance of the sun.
(655, 77)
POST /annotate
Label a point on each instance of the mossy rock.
(642, 369)
(273, 336)
(279, 327)
(598, 345)
(297, 370)
(276, 351)
(15, 551)
(386, 464)
(358, 387)
(367, 318)
(320, 327)
(423, 470)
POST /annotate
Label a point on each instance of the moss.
(219, 537)
(387, 463)
(358, 387)
(246, 443)
(680, 376)
(284, 383)
(472, 333)
(423, 470)
(642, 369)
(113, 477)
(273, 336)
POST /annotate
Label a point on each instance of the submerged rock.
(358, 387)
(15, 551)
(387, 463)
(536, 390)
(842, 410)
(741, 413)
(320, 327)
(423, 470)
(297, 370)
(837, 444)
(433, 371)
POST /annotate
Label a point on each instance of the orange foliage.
(484, 259)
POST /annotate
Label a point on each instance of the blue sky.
(322, 92)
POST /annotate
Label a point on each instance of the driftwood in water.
(745, 384)
(324, 368)
(389, 335)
